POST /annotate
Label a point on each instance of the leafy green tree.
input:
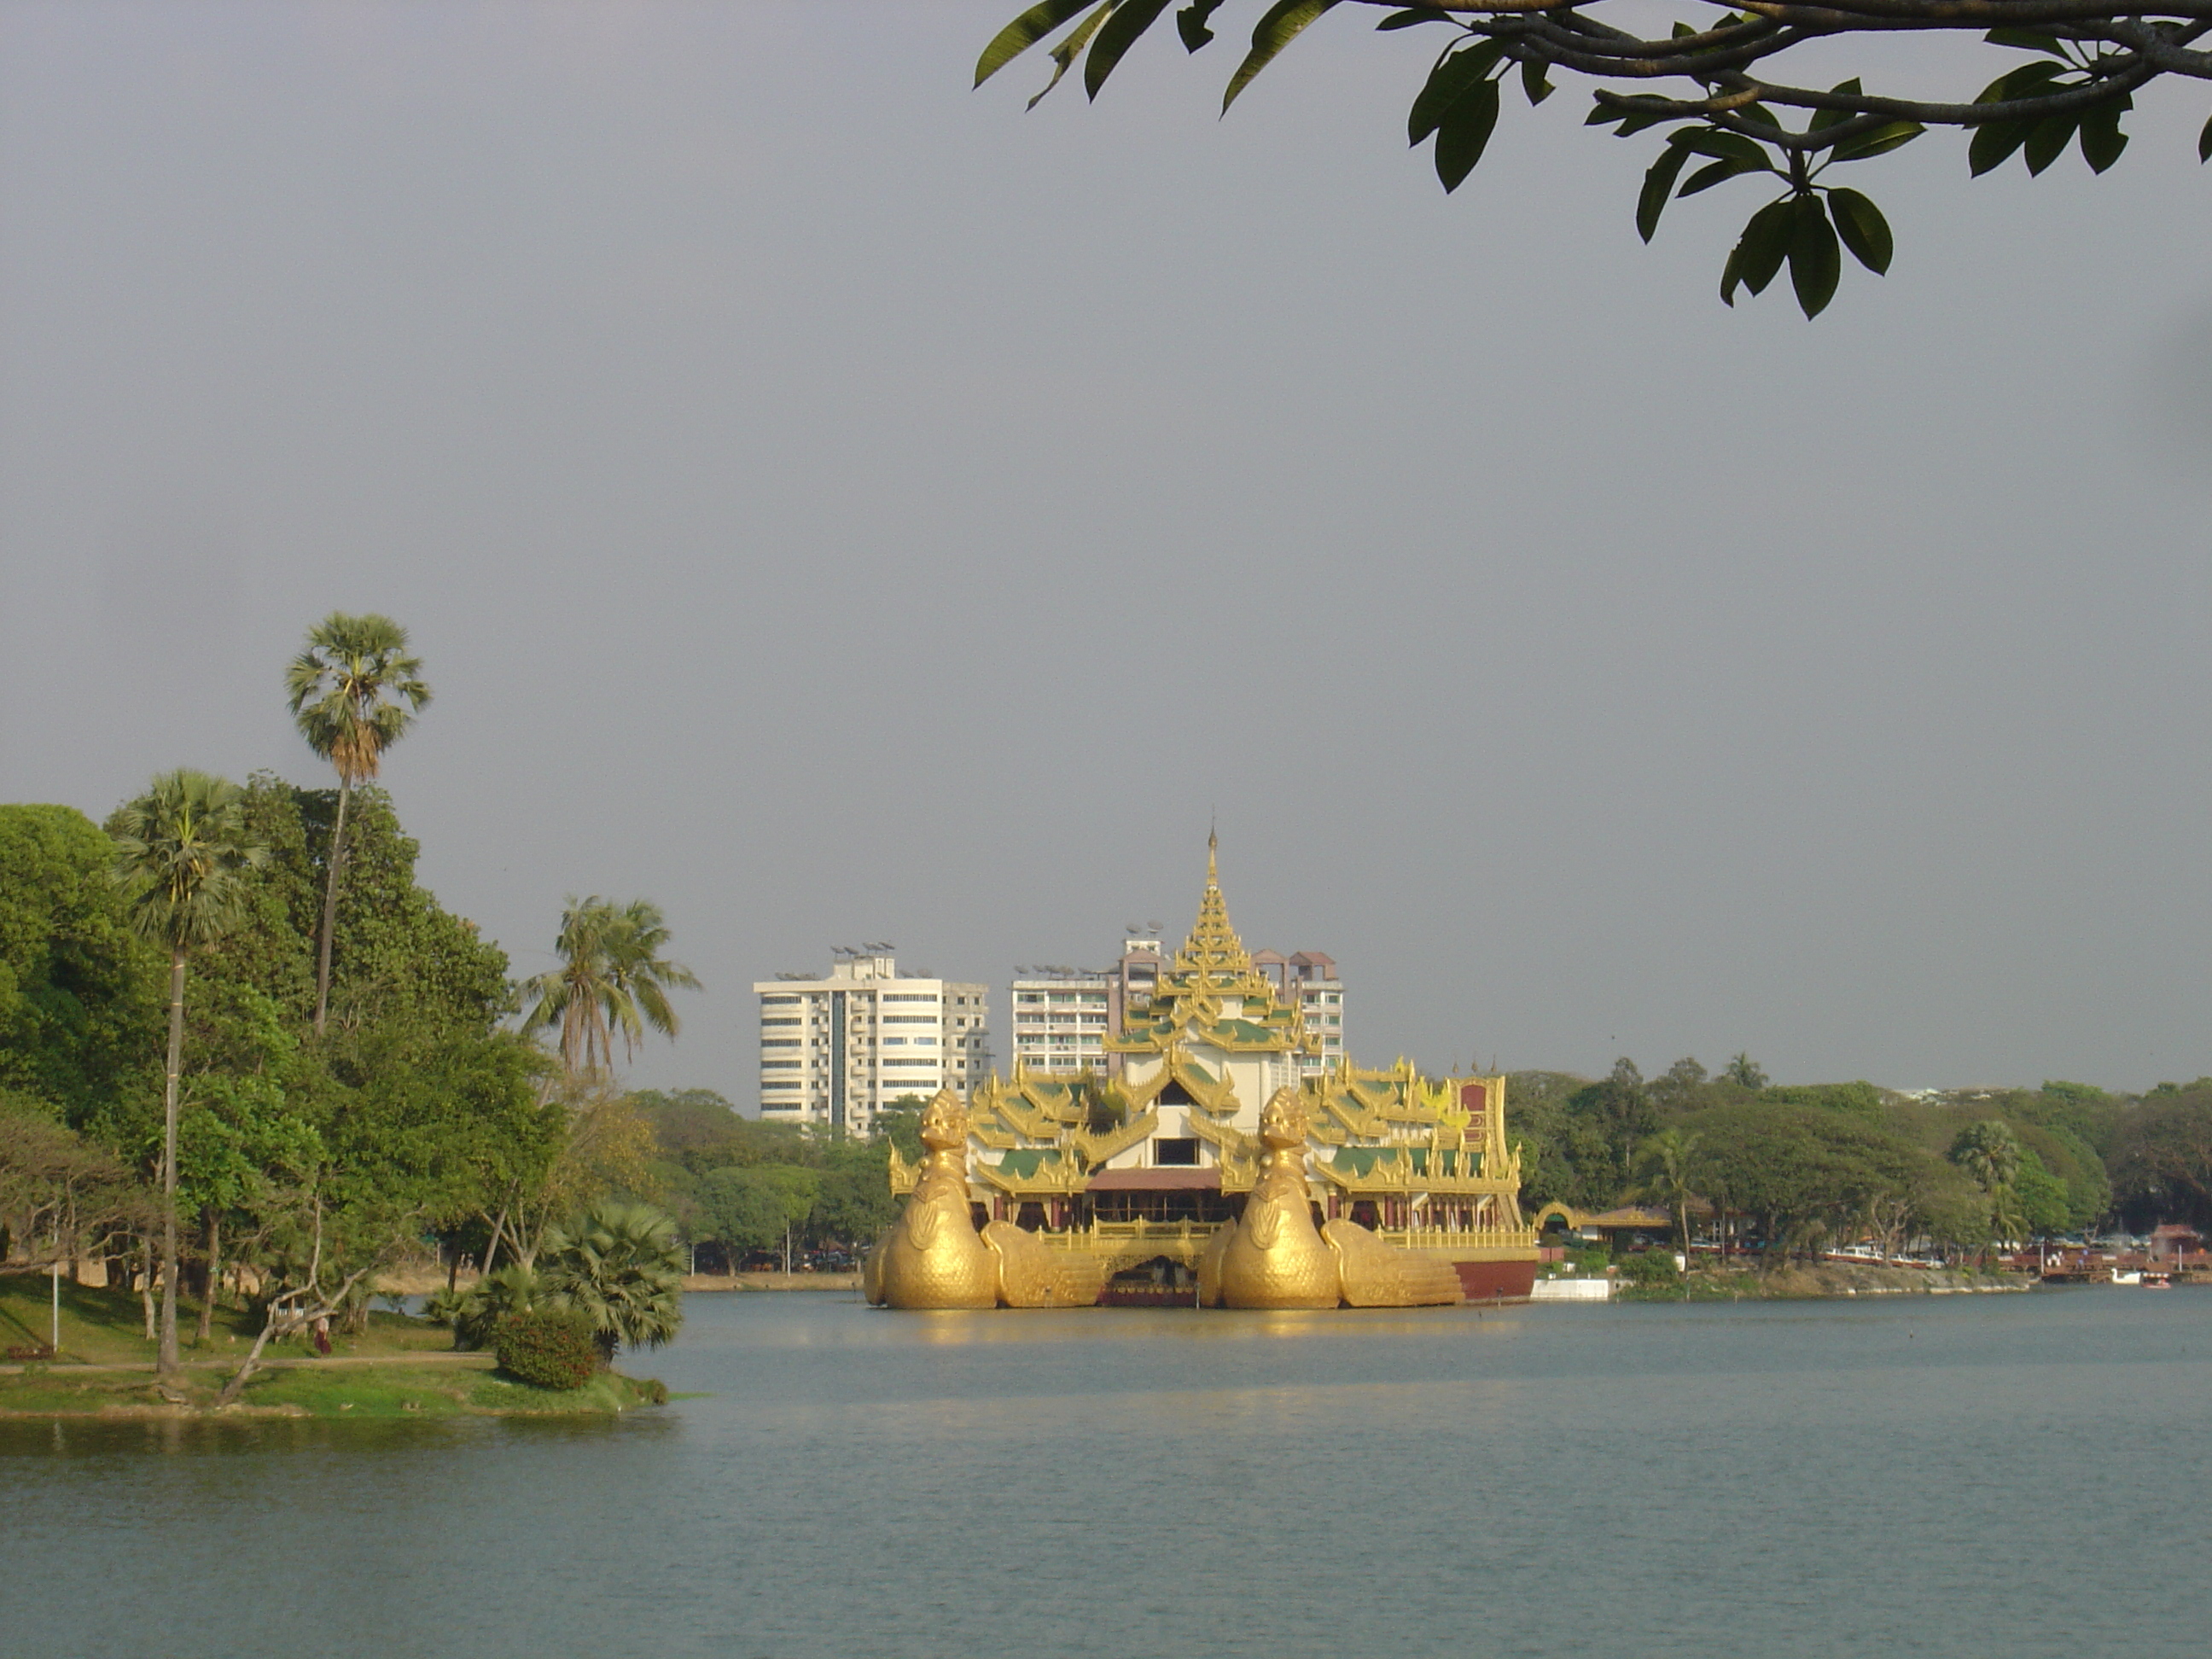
(613, 980)
(78, 989)
(1564, 1155)
(622, 1265)
(2162, 1156)
(1719, 85)
(1744, 1071)
(1621, 1106)
(346, 690)
(758, 1207)
(2043, 1206)
(182, 855)
(1860, 1099)
(1803, 1170)
(853, 1198)
(1680, 1087)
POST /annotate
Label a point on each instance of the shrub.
(475, 1313)
(1649, 1267)
(547, 1348)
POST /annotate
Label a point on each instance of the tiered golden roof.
(1214, 994)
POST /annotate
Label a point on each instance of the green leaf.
(1759, 251)
(1658, 187)
(2102, 141)
(1759, 116)
(1536, 85)
(1071, 46)
(1879, 142)
(1718, 172)
(1407, 19)
(1131, 18)
(1279, 24)
(1024, 32)
(2027, 41)
(1828, 117)
(1716, 141)
(2204, 142)
(1191, 23)
(1634, 122)
(2025, 81)
(1993, 143)
(1816, 264)
(1465, 133)
(1450, 82)
(2047, 140)
(1863, 229)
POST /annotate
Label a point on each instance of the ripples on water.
(1988, 1475)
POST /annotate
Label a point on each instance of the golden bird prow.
(933, 1256)
(1275, 1257)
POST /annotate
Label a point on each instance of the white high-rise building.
(1061, 1020)
(837, 1050)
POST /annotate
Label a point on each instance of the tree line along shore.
(248, 1064)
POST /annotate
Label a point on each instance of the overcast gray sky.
(837, 505)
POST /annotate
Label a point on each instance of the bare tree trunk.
(331, 904)
(167, 1361)
(212, 1223)
(146, 1289)
(491, 1250)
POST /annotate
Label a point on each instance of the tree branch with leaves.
(1722, 85)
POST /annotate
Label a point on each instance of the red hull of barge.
(1496, 1281)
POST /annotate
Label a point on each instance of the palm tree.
(346, 689)
(1667, 1176)
(623, 1266)
(182, 852)
(612, 979)
(1989, 1151)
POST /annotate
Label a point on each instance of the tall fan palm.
(622, 1265)
(613, 980)
(346, 689)
(182, 852)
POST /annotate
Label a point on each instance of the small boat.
(2156, 1281)
(2126, 1278)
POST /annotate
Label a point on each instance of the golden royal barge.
(1216, 1170)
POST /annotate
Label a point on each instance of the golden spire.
(1213, 948)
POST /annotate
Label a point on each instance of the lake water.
(2013, 1475)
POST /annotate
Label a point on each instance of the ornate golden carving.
(933, 1256)
(1031, 1274)
(1374, 1274)
(1275, 1257)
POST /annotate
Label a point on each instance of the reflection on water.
(1822, 1478)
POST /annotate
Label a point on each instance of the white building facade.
(837, 1050)
(1061, 1021)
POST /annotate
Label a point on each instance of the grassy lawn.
(107, 1328)
(468, 1388)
